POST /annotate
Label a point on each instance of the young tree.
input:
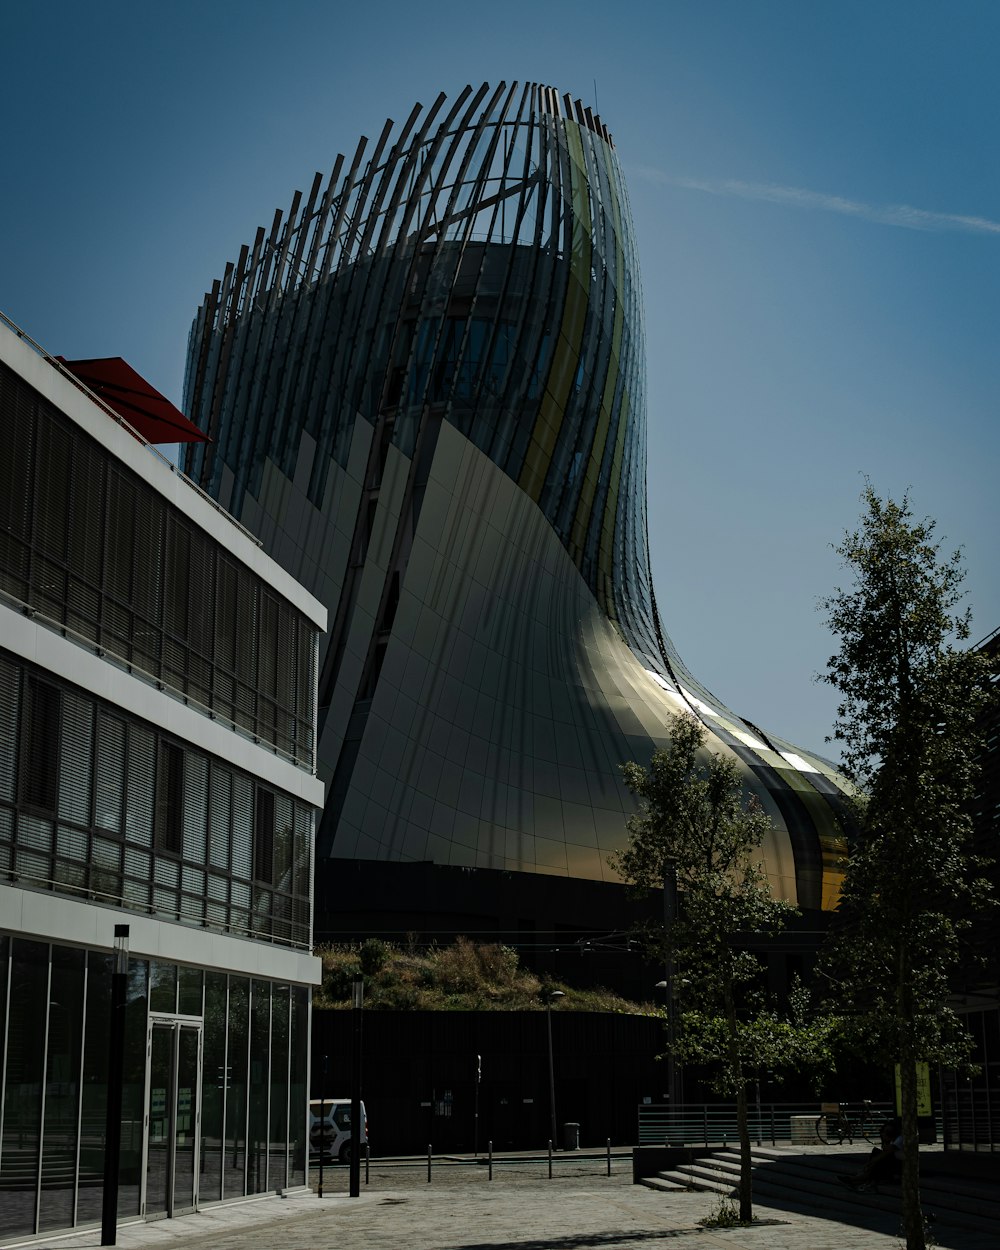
(909, 701)
(694, 826)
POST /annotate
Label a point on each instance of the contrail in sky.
(797, 197)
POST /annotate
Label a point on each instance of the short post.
(550, 1158)
(429, 1154)
(489, 1146)
(609, 1156)
(116, 1082)
(367, 1158)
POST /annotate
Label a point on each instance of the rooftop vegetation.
(464, 976)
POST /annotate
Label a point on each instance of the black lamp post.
(358, 1002)
(552, 1075)
(475, 1115)
(323, 1135)
(116, 1079)
(669, 921)
(675, 1073)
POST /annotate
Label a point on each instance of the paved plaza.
(579, 1209)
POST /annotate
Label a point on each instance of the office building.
(157, 778)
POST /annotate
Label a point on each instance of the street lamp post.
(555, 994)
(116, 1080)
(322, 1136)
(358, 1002)
(675, 1073)
(475, 1116)
(669, 922)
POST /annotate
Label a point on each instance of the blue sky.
(816, 195)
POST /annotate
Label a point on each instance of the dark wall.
(419, 1076)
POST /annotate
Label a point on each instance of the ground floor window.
(215, 1080)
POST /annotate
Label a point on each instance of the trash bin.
(571, 1137)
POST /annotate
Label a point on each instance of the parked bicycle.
(838, 1123)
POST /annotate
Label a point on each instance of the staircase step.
(978, 1197)
(812, 1181)
(665, 1182)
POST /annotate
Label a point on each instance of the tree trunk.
(913, 1217)
(742, 1113)
(746, 1165)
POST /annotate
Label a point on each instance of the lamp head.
(121, 949)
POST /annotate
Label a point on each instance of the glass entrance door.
(173, 1117)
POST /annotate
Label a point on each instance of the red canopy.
(147, 411)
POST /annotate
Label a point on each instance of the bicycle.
(869, 1125)
(835, 1124)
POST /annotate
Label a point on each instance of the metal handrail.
(105, 652)
(107, 898)
(715, 1123)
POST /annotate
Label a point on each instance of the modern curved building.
(424, 387)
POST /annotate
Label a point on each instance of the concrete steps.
(810, 1180)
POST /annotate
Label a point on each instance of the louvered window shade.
(141, 785)
(76, 759)
(243, 795)
(219, 816)
(90, 546)
(110, 780)
(10, 700)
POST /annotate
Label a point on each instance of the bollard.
(367, 1157)
(429, 1153)
(550, 1158)
(609, 1156)
(490, 1145)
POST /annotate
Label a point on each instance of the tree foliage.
(695, 822)
(909, 700)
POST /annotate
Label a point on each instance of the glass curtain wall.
(54, 1041)
(106, 806)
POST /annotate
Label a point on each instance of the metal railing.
(592, 1160)
(306, 763)
(711, 1124)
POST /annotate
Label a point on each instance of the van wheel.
(345, 1152)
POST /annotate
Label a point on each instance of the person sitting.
(884, 1162)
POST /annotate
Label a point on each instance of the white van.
(330, 1128)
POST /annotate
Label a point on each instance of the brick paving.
(581, 1208)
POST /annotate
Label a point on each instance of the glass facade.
(89, 547)
(425, 392)
(103, 806)
(493, 286)
(54, 1017)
